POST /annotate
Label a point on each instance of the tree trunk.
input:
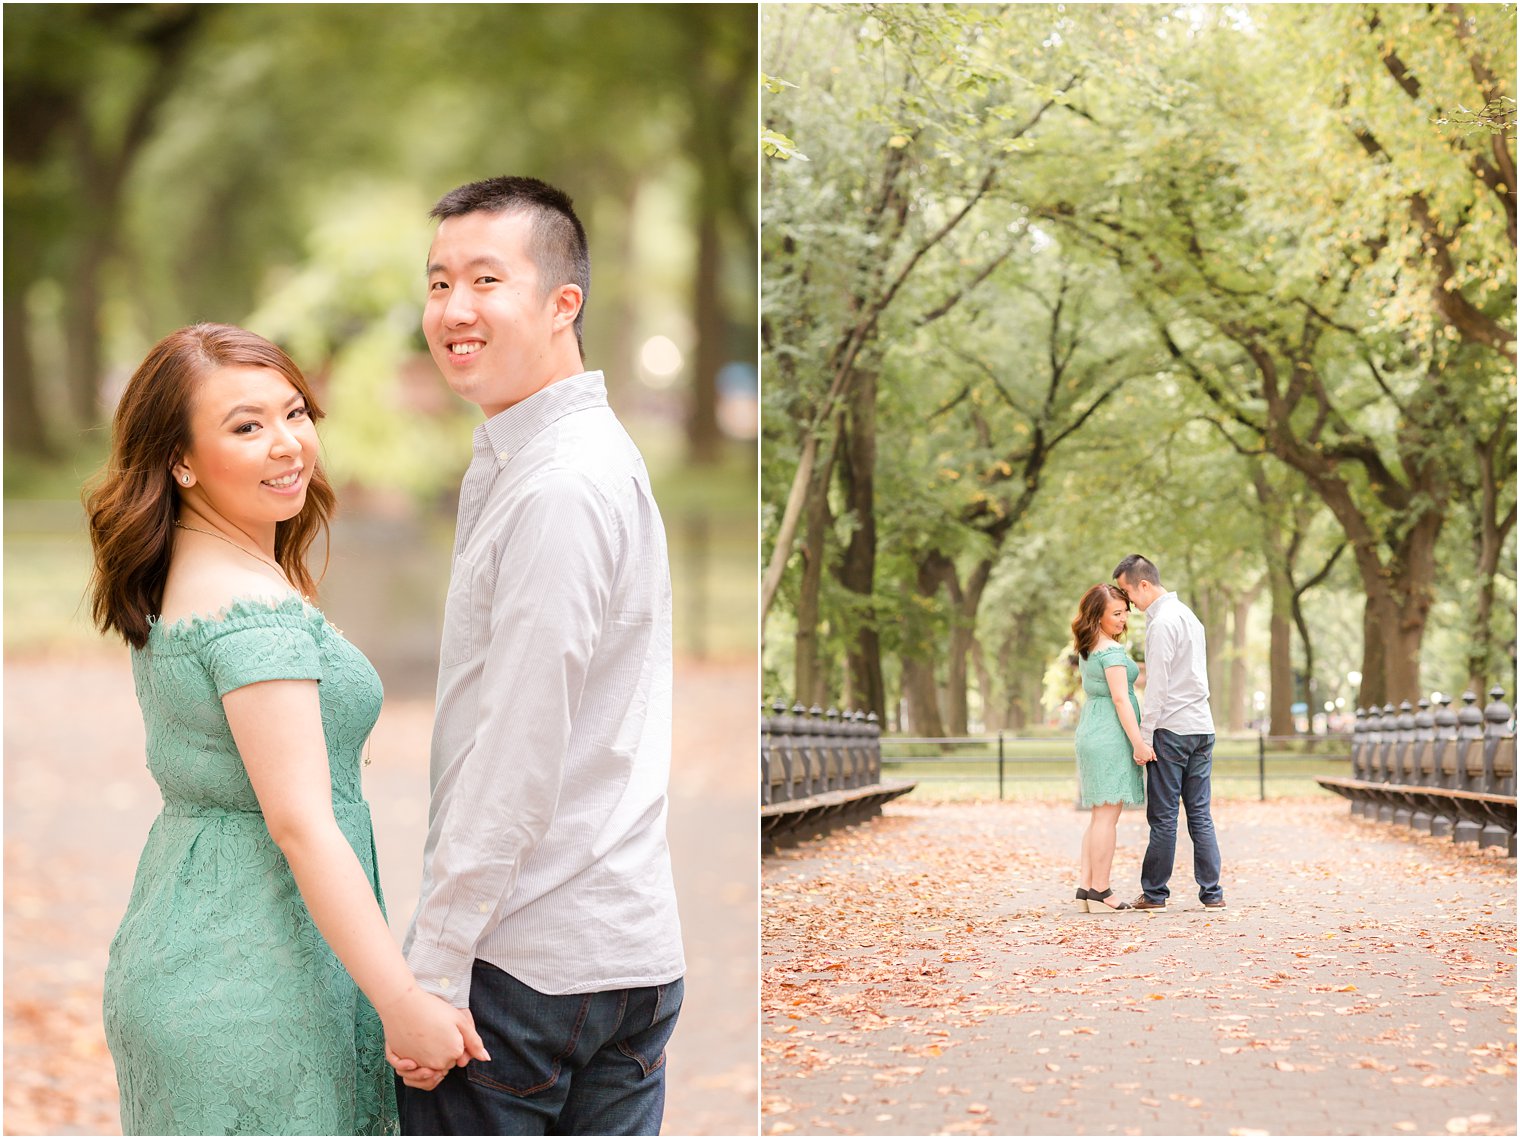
(987, 688)
(1015, 716)
(1492, 531)
(1238, 629)
(922, 698)
(25, 431)
(857, 567)
(1373, 691)
(1399, 584)
(82, 354)
(1310, 694)
(1211, 614)
(1398, 607)
(968, 600)
(704, 439)
(808, 674)
(786, 535)
(1280, 656)
(1480, 652)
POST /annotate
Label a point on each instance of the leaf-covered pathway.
(927, 973)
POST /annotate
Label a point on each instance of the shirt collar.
(508, 432)
(1161, 601)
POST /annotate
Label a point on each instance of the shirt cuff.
(443, 972)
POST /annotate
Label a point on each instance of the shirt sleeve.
(557, 562)
(1160, 654)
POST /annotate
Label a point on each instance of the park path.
(78, 804)
(927, 973)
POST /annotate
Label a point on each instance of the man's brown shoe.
(1144, 903)
(1219, 905)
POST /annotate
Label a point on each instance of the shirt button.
(445, 983)
(485, 909)
(502, 455)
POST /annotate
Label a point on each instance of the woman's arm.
(277, 725)
(1118, 687)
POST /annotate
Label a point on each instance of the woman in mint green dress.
(1110, 749)
(253, 985)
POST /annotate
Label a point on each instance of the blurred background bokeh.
(272, 166)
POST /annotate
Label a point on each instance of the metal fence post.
(1261, 764)
(1000, 765)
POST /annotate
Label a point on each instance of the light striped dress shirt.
(546, 852)
(1176, 672)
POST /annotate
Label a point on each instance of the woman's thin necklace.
(368, 757)
(241, 549)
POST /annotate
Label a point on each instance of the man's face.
(1142, 593)
(487, 323)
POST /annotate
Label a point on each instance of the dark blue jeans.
(581, 1064)
(1180, 775)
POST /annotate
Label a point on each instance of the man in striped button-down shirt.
(547, 904)
(1179, 725)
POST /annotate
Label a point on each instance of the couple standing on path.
(1173, 741)
(254, 986)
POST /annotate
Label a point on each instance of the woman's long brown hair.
(1090, 612)
(133, 504)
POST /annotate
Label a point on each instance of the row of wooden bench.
(1441, 772)
(819, 769)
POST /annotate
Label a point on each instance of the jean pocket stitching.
(475, 1076)
(648, 1068)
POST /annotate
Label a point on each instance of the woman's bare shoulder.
(203, 584)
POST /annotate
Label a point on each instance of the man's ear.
(567, 305)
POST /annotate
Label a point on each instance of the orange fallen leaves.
(960, 964)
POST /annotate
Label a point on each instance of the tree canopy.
(1230, 286)
(166, 163)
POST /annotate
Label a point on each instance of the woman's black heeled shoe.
(1097, 902)
(1082, 896)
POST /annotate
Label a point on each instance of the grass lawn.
(1045, 768)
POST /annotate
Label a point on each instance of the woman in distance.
(1110, 749)
(253, 985)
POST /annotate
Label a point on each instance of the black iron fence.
(1046, 765)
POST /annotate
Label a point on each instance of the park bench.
(1442, 773)
(819, 770)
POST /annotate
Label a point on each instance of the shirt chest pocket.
(459, 615)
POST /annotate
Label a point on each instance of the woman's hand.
(430, 1034)
(1144, 753)
(414, 1075)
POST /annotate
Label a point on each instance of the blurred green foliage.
(272, 165)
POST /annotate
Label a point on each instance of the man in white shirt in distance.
(547, 906)
(1177, 722)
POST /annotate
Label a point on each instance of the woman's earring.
(185, 479)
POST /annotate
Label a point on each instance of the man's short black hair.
(557, 241)
(1138, 567)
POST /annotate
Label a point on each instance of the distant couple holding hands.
(254, 987)
(1173, 741)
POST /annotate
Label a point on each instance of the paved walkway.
(927, 973)
(78, 804)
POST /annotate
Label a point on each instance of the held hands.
(425, 1038)
(1144, 753)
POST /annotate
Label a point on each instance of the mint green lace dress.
(225, 1010)
(1106, 767)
